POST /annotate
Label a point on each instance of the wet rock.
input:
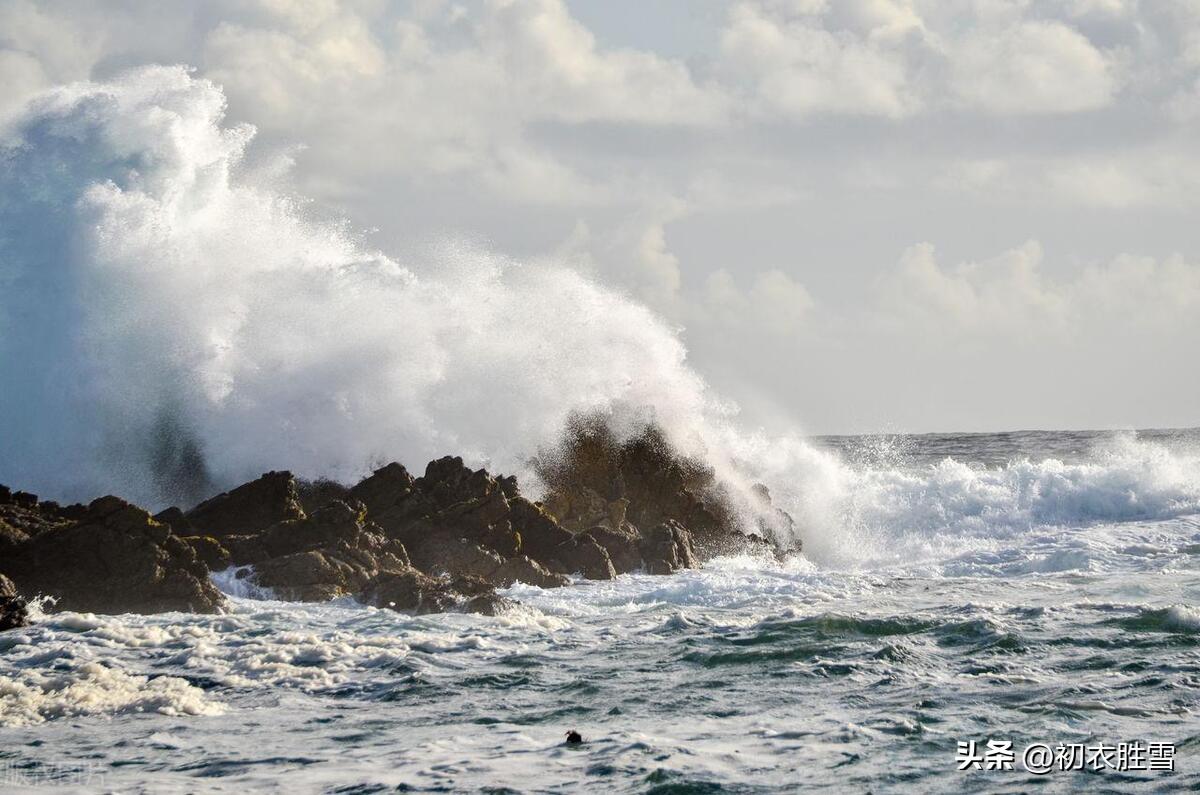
(211, 552)
(409, 590)
(667, 548)
(30, 518)
(14, 612)
(332, 553)
(520, 568)
(541, 536)
(117, 559)
(249, 508)
(583, 555)
(446, 555)
(490, 604)
(314, 494)
(384, 489)
(623, 546)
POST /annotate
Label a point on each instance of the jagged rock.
(597, 479)
(32, 519)
(249, 508)
(446, 555)
(210, 551)
(490, 604)
(622, 546)
(24, 499)
(117, 559)
(460, 557)
(409, 590)
(541, 536)
(314, 494)
(13, 610)
(332, 553)
(175, 519)
(384, 489)
(520, 568)
(583, 555)
(667, 548)
(10, 537)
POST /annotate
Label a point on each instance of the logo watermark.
(24, 774)
(1042, 758)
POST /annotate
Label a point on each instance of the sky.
(866, 215)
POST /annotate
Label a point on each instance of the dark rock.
(5, 495)
(667, 548)
(313, 494)
(411, 591)
(210, 551)
(116, 560)
(24, 499)
(175, 519)
(540, 535)
(520, 568)
(445, 555)
(249, 508)
(583, 555)
(332, 553)
(10, 537)
(623, 546)
(245, 550)
(72, 512)
(489, 604)
(13, 610)
(385, 488)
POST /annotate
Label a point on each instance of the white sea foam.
(90, 688)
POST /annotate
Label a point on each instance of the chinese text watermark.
(1041, 758)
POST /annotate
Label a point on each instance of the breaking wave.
(170, 322)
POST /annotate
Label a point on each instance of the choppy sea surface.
(1024, 587)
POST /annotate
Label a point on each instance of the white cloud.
(1031, 67)
(799, 68)
(1009, 298)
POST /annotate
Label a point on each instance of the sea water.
(1027, 588)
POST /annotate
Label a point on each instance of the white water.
(152, 287)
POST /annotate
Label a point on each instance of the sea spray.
(170, 325)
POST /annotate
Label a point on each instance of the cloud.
(774, 303)
(799, 68)
(1009, 298)
(1031, 67)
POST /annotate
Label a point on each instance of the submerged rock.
(13, 610)
(116, 559)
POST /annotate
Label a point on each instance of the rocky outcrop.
(445, 540)
(115, 559)
(250, 508)
(335, 552)
(410, 590)
(600, 481)
(13, 610)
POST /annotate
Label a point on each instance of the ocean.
(1017, 588)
